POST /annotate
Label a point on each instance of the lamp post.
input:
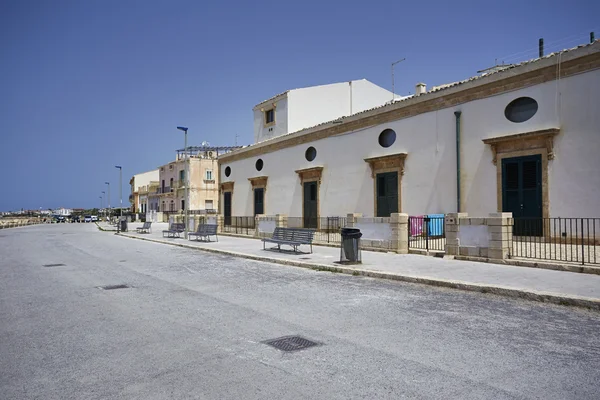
(186, 181)
(393, 81)
(102, 205)
(120, 188)
(108, 183)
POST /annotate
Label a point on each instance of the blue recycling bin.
(435, 226)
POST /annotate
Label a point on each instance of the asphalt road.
(192, 326)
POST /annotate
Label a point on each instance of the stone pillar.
(220, 222)
(451, 229)
(399, 225)
(500, 235)
(257, 219)
(351, 219)
(281, 220)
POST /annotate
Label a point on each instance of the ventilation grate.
(290, 343)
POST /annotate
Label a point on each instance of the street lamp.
(120, 187)
(100, 202)
(108, 183)
(103, 193)
(186, 181)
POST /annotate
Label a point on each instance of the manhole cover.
(53, 265)
(290, 343)
(113, 287)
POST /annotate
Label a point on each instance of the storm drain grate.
(113, 287)
(53, 265)
(290, 343)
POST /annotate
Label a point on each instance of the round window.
(227, 171)
(310, 154)
(259, 164)
(521, 109)
(387, 138)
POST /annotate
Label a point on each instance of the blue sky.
(87, 85)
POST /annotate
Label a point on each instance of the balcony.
(165, 190)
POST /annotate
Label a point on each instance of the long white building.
(524, 139)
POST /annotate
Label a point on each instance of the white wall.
(145, 178)
(262, 132)
(306, 107)
(429, 182)
(317, 104)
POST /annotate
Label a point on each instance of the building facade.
(297, 109)
(140, 184)
(524, 139)
(203, 185)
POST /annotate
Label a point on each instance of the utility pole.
(108, 183)
(186, 205)
(393, 80)
(120, 187)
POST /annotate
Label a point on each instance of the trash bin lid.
(346, 231)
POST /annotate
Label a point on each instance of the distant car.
(94, 218)
(60, 218)
(75, 218)
(87, 218)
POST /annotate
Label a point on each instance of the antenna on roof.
(393, 81)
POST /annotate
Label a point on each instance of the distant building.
(140, 185)
(65, 212)
(203, 183)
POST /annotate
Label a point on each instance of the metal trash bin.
(122, 224)
(350, 246)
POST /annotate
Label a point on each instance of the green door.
(387, 193)
(310, 200)
(227, 208)
(259, 201)
(522, 193)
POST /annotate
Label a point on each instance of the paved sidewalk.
(532, 283)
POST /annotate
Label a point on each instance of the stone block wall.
(489, 237)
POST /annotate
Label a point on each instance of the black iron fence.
(557, 239)
(327, 229)
(426, 232)
(241, 225)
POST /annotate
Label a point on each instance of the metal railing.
(574, 240)
(427, 232)
(327, 229)
(241, 225)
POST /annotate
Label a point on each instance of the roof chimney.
(420, 88)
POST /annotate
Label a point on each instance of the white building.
(297, 109)
(140, 186)
(65, 212)
(525, 139)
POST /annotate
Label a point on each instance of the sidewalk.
(558, 287)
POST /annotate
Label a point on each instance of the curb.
(582, 269)
(544, 297)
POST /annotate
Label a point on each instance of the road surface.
(192, 326)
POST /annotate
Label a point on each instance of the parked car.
(61, 218)
(87, 218)
(75, 218)
(94, 218)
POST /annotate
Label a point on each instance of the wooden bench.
(146, 228)
(204, 231)
(174, 230)
(294, 237)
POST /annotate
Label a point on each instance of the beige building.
(140, 185)
(203, 185)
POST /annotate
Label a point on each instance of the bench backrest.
(207, 229)
(146, 225)
(294, 234)
(177, 227)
